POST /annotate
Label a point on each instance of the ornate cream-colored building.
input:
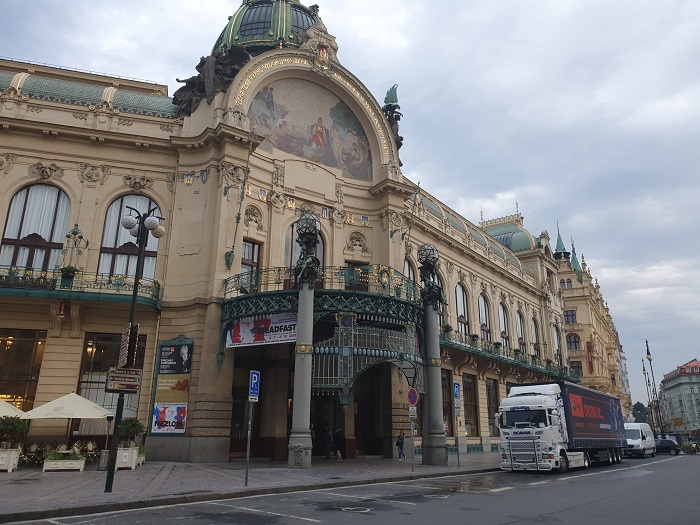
(592, 341)
(228, 166)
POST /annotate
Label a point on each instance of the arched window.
(410, 274)
(520, 331)
(484, 318)
(119, 252)
(568, 283)
(573, 342)
(461, 305)
(441, 307)
(562, 284)
(503, 325)
(36, 228)
(292, 250)
(535, 338)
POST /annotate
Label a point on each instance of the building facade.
(679, 394)
(592, 342)
(341, 323)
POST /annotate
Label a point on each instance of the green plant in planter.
(55, 455)
(131, 427)
(12, 429)
(688, 448)
(69, 270)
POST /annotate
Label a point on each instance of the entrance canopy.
(70, 406)
(6, 409)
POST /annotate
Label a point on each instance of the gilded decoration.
(306, 120)
(7, 160)
(137, 183)
(92, 173)
(42, 172)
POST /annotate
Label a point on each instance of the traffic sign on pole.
(412, 396)
(254, 386)
(457, 390)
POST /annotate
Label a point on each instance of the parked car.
(667, 446)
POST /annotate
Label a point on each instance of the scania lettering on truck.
(557, 425)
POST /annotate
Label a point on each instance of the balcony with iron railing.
(373, 290)
(474, 345)
(60, 284)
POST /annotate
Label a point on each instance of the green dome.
(262, 25)
(512, 236)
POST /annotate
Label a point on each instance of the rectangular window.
(250, 265)
(447, 397)
(492, 405)
(570, 316)
(100, 353)
(21, 353)
(471, 403)
(577, 367)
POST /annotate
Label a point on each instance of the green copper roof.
(456, 223)
(63, 91)
(81, 94)
(5, 79)
(560, 244)
(512, 236)
(574, 262)
(262, 25)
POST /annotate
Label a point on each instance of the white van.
(640, 440)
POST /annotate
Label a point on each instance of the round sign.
(412, 397)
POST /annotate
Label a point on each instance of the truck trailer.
(558, 425)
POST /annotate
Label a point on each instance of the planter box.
(64, 464)
(129, 458)
(9, 459)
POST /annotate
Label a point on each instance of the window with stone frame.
(35, 228)
(576, 367)
(462, 310)
(484, 318)
(471, 405)
(503, 325)
(250, 266)
(573, 342)
(520, 332)
(569, 316)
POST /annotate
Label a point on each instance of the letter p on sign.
(254, 387)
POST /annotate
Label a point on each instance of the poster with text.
(262, 330)
(169, 418)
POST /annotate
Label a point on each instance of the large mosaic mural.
(306, 120)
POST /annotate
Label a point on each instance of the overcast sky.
(584, 112)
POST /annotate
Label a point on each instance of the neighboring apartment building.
(592, 342)
(252, 145)
(679, 395)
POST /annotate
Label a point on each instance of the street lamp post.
(139, 225)
(648, 385)
(655, 398)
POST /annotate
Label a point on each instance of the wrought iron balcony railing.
(473, 344)
(55, 282)
(376, 279)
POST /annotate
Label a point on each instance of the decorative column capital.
(304, 348)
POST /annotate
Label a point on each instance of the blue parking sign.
(254, 387)
(457, 390)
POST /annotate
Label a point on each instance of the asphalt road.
(661, 490)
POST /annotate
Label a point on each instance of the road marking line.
(538, 483)
(264, 512)
(370, 497)
(501, 489)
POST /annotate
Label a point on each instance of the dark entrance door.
(372, 392)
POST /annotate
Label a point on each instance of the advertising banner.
(172, 386)
(169, 418)
(262, 330)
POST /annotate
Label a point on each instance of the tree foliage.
(639, 411)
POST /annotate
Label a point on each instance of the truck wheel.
(586, 460)
(563, 463)
(619, 455)
(611, 457)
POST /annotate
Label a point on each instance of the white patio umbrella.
(6, 409)
(70, 406)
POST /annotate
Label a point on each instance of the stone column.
(306, 271)
(435, 443)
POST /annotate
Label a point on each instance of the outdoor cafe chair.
(32, 454)
(91, 452)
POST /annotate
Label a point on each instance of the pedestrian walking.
(400, 440)
(337, 444)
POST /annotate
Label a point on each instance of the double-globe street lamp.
(139, 225)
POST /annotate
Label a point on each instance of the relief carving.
(42, 172)
(238, 115)
(7, 160)
(357, 241)
(277, 199)
(339, 192)
(170, 179)
(253, 217)
(278, 175)
(92, 173)
(230, 173)
(339, 217)
(307, 208)
(392, 170)
(137, 183)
